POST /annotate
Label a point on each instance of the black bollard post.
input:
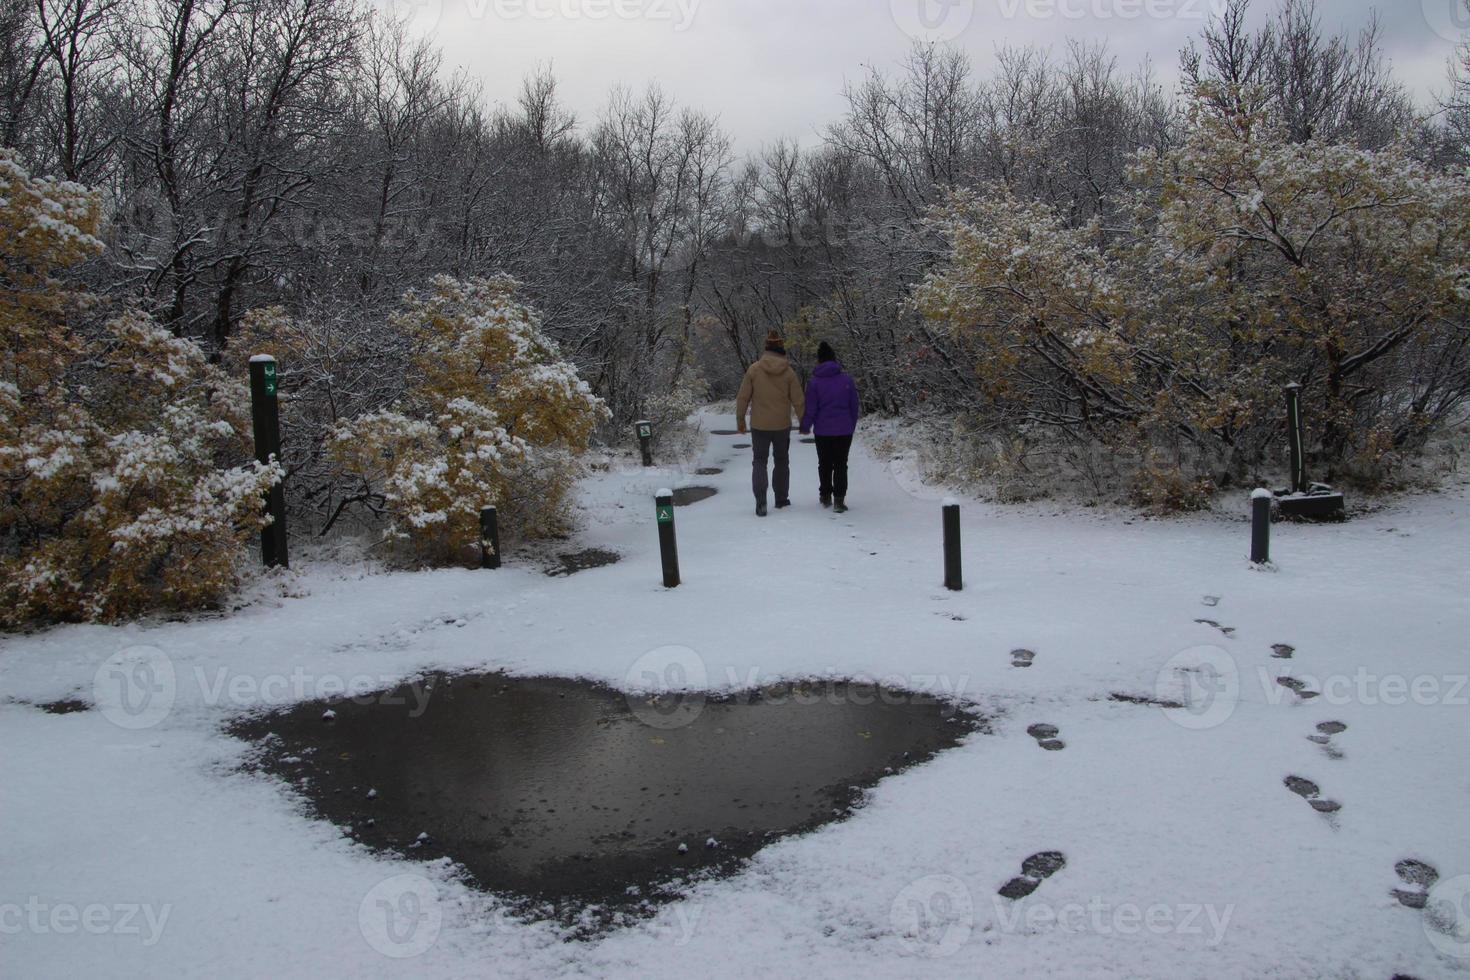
(1294, 436)
(489, 538)
(953, 579)
(1261, 526)
(668, 544)
(266, 420)
(645, 434)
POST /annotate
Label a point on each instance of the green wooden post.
(645, 437)
(668, 545)
(266, 420)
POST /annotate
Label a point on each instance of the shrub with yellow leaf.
(1250, 261)
(120, 491)
(491, 416)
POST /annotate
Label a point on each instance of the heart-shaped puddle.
(573, 794)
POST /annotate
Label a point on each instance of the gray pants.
(762, 441)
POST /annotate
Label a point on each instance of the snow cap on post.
(950, 502)
(262, 359)
(663, 493)
(1261, 492)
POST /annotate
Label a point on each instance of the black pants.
(762, 442)
(832, 464)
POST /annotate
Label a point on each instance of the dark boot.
(826, 499)
(839, 506)
(760, 508)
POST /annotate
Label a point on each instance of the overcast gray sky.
(773, 68)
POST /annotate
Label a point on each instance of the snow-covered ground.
(133, 846)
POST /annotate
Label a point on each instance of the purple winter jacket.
(831, 402)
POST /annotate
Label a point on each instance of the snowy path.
(1186, 854)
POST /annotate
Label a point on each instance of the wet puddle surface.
(684, 496)
(574, 799)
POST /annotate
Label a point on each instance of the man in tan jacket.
(772, 395)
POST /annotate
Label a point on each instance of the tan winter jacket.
(772, 393)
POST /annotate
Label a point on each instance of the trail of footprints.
(1042, 865)
(1417, 876)
(1045, 735)
(1299, 785)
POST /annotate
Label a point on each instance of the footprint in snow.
(1296, 687)
(1282, 651)
(1310, 792)
(1046, 737)
(1227, 630)
(1034, 870)
(1325, 731)
(1125, 698)
(1420, 877)
(1210, 600)
(1022, 658)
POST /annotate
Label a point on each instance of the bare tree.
(1455, 103)
(1334, 89)
(401, 92)
(282, 73)
(660, 171)
(22, 59)
(166, 220)
(74, 38)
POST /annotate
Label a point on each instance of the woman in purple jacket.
(832, 413)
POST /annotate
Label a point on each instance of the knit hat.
(774, 343)
(825, 353)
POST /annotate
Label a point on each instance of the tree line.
(313, 158)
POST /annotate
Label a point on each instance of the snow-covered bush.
(675, 436)
(491, 416)
(1252, 261)
(115, 441)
